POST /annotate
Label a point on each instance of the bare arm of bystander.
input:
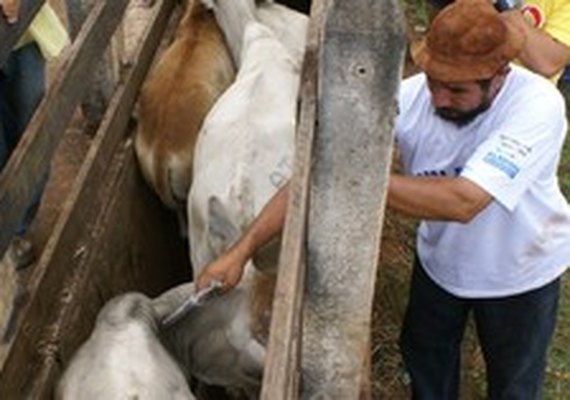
(541, 52)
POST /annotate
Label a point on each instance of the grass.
(557, 383)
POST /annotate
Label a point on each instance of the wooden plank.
(280, 378)
(129, 244)
(359, 72)
(77, 11)
(33, 154)
(103, 79)
(10, 34)
(124, 249)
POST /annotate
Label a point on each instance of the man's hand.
(227, 269)
(10, 9)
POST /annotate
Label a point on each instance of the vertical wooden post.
(359, 73)
(104, 80)
(34, 152)
(282, 369)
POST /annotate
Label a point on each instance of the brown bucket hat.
(467, 40)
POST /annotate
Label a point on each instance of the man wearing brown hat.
(480, 141)
(546, 25)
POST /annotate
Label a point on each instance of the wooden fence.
(102, 245)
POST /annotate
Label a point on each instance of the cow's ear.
(169, 301)
(223, 232)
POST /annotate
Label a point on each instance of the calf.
(124, 358)
(190, 76)
(134, 352)
(213, 343)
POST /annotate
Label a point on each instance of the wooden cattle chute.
(320, 331)
(112, 232)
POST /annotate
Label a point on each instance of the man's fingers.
(205, 278)
(201, 282)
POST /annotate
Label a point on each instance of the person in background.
(22, 84)
(480, 140)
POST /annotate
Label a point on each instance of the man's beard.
(462, 118)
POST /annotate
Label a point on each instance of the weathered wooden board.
(104, 78)
(112, 235)
(282, 369)
(34, 152)
(11, 33)
(129, 244)
(359, 72)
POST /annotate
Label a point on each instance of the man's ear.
(499, 78)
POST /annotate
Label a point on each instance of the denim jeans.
(22, 81)
(514, 333)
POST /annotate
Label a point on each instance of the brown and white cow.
(190, 76)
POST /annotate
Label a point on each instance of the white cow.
(132, 354)
(124, 358)
(243, 154)
(213, 343)
(245, 148)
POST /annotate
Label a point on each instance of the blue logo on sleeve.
(502, 163)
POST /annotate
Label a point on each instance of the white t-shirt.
(521, 240)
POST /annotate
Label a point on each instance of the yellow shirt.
(47, 31)
(553, 17)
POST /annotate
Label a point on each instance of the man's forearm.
(440, 198)
(268, 224)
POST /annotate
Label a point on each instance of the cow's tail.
(233, 16)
